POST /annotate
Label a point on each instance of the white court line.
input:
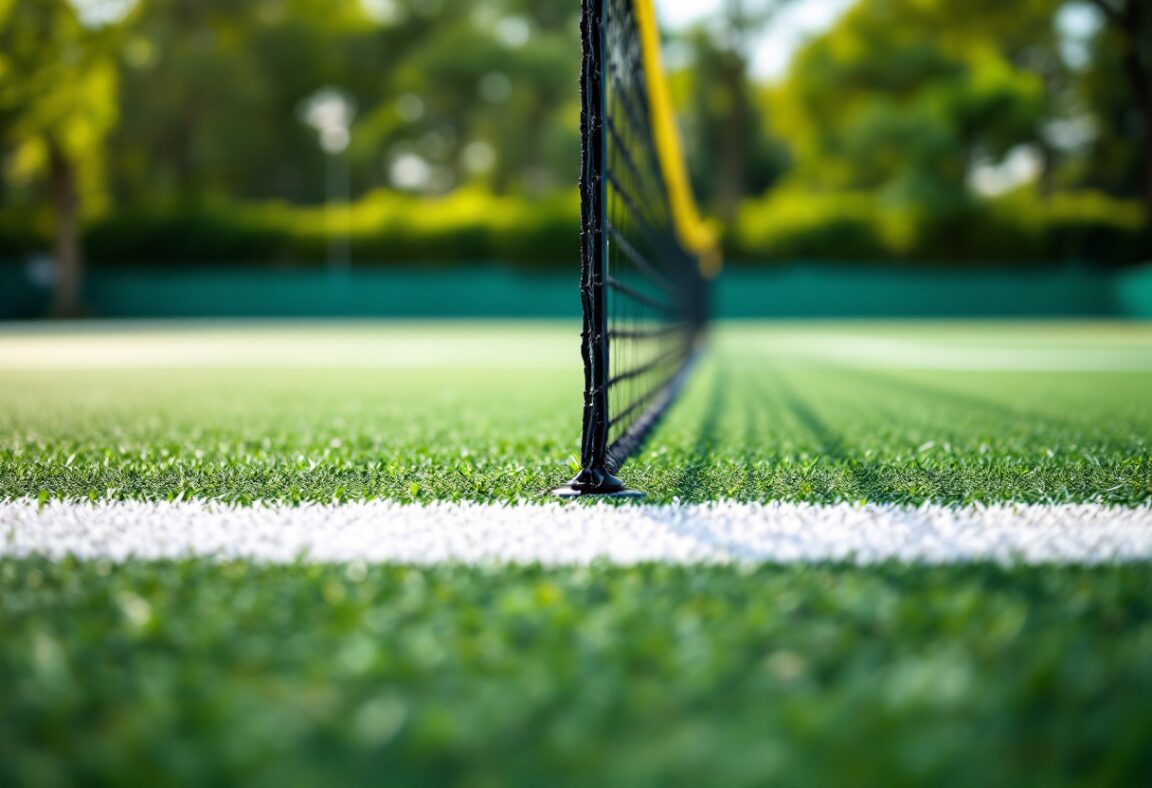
(565, 535)
(395, 350)
(533, 346)
(990, 357)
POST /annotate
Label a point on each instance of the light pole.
(330, 112)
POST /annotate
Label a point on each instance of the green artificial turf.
(209, 674)
(212, 674)
(763, 418)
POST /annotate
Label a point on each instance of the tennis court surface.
(950, 413)
(297, 552)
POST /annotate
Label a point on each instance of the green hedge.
(1016, 228)
(384, 228)
(472, 226)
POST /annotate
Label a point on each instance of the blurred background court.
(418, 158)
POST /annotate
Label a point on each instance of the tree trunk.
(1129, 23)
(1046, 181)
(731, 175)
(734, 148)
(69, 256)
(1140, 82)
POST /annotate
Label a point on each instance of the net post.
(594, 478)
(645, 254)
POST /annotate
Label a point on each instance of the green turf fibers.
(199, 673)
(202, 673)
(755, 424)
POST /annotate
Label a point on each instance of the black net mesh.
(643, 291)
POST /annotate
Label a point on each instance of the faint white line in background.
(567, 535)
(900, 354)
(478, 350)
(528, 346)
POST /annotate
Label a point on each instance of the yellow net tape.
(694, 233)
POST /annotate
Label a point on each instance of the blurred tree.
(211, 90)
(1110, 125)
(905, 97)
(449, 92)
(1129, 34)
(490, 98)
(184, 104)
(1025, 35)
(731, 152)
(730, 141)
(57, 105)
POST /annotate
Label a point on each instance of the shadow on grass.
(690, 483)
(830, 444)
(960, 399)
(756, 432)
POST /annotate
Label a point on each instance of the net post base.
(596, 482)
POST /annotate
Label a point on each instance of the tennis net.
(646, 255)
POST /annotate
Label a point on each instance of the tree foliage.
(58, 85)
(193, 106)
(57, 106)
(881, 102)
(469, 91)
